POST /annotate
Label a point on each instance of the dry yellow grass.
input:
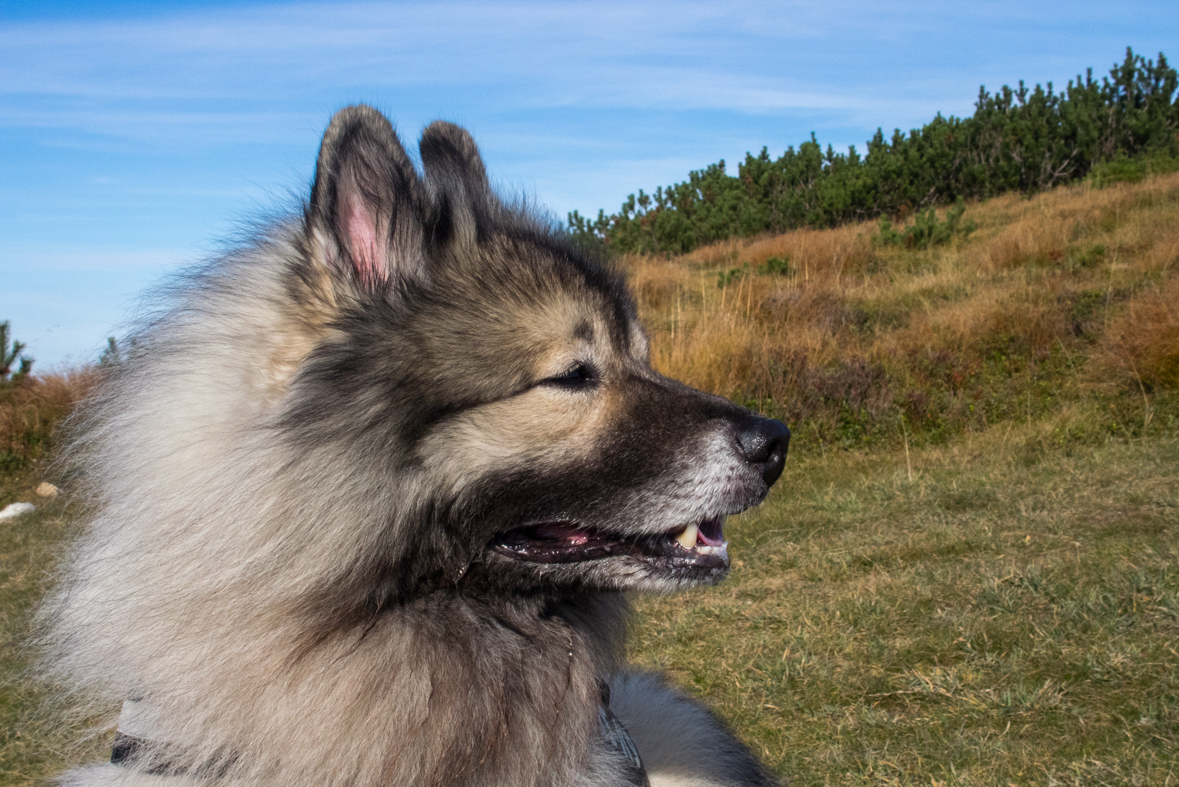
(1141, 344)
(32, 409)
(857, 337)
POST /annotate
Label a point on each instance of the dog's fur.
(367, 492)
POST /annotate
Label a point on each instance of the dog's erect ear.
(366, 201)
(457, 180)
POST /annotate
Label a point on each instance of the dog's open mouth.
(699, 544)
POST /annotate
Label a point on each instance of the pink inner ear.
(366, 243)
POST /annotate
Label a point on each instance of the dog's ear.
(457, 181)
(365, 209)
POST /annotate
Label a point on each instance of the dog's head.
(491, 384)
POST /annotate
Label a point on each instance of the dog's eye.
(577, 377)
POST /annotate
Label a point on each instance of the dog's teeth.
(722, 550)
(687, 537)
(719, 549)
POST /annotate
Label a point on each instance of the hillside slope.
(1061, 303)
(967, 574)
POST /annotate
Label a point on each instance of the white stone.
(16, 509)
(46, 489)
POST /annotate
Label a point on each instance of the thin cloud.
(90, 260)
(581, 54)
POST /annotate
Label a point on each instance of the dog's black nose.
(763, 444)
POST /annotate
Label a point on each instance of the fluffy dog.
(368, 493)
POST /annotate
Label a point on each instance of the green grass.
(1009, 615)
(36, 740)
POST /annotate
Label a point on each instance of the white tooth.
(687, 537)
(722, 550)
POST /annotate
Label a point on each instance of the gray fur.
(297, 478)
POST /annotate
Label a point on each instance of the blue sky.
(137, 137)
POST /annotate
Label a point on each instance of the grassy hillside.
(967, 574)
(1055, 304)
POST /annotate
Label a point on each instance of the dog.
(368, 493)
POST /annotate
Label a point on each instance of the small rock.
(16, 509)
(47, 489)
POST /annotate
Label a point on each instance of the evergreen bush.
(1027, 140)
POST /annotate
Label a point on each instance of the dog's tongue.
(712, 532)
(562, 531)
